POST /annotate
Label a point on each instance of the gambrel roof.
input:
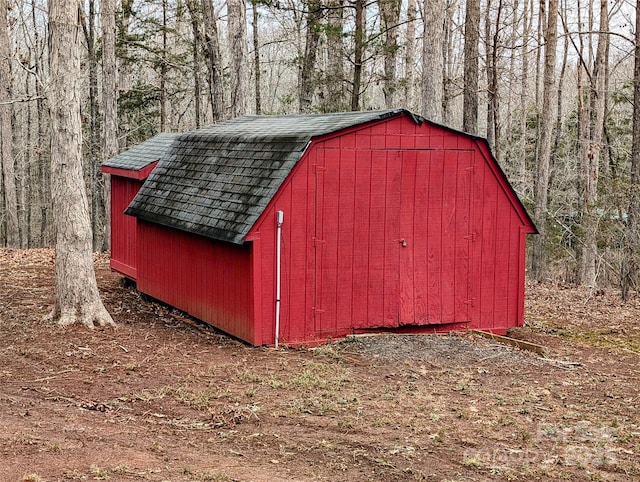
(216, 181)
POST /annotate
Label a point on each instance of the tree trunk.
(197, 41)
(542, 21)
(124, 82)
(471, 40)
(214, 61)
(591, 161)
(511, 50)
(630, 266)
(163, 70)
(629, 275)
(450, 89)
(21, 169)
(583, 115)
(10, 200)
(357, 55)
(76, 292)
(390, 10)
(237, 14)
(109, 104)
(31, 178)
(539, 261)
(42, 153)
(410, 54)
(93, 164)
(433, 60)
(334, 99)
(256, 57)
(522, 184)
(492, 41)
(559, 111)
(306, 75)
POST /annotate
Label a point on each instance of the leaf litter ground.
(165, 398)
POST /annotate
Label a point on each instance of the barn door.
(355, 241)
(391, 238)
(435, 237)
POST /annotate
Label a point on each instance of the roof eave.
(138, 174)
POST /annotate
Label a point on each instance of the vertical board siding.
(123, 227)
(296, 199)
(488, 252)
(345, 230)
(391, 237)
(348, 205)
(208, 279)
(362, 251)
(411, 259)
(498, 240)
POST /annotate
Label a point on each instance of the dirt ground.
(163, 398)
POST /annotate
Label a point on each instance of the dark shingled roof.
(142, 155)
(217, 181)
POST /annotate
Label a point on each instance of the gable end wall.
(497, 238)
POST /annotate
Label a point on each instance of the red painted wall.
(123, 227)
(125, 184)
(392, 226)
(208, 279)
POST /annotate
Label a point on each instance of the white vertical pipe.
(279, 221)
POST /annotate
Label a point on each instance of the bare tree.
(452, 37)
(76, 291)
(471, 40)
(390, 10)
(629, 273)
(591, 158)
(10, 201)
(410, 53)
(561, 85)
(539, 261)
(256, 55)
(163, 69)
(493, 48)
(109, 100)
(306, 73)
(521, 183)
(334, 95)
(214, 61)
(358, 50)
(92, 167)
(237, 14)
(433, 60)
(192, 6)
(42, 155)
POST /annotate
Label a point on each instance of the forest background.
(554, 85)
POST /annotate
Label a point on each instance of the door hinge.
(317, 241)
(471, 169)
(471, 237)
(318, 167)
(470, 302)
(317, 310)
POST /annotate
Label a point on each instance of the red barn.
(387, 222)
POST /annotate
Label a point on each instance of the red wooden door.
(356, 272)
(390, 238)
(435, 237)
